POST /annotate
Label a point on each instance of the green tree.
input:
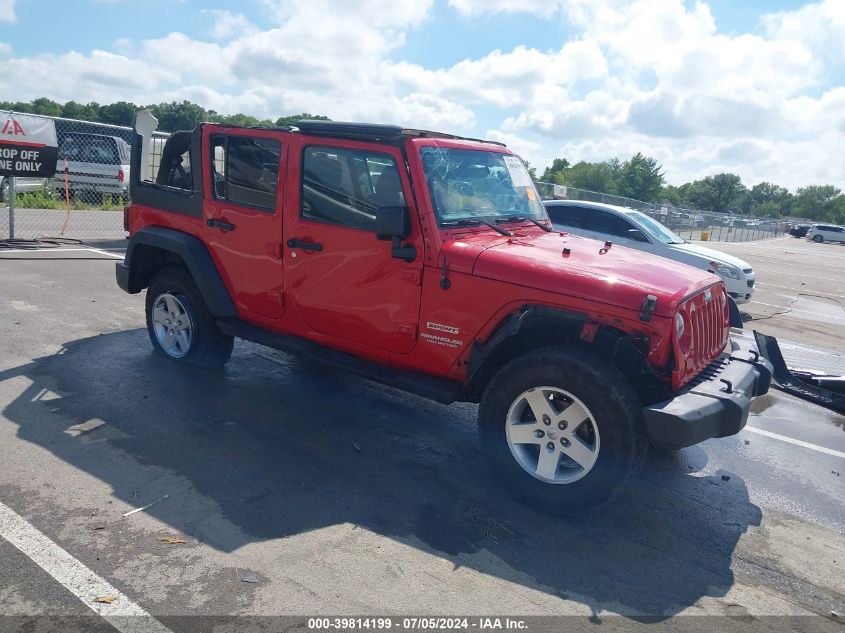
(558, 166)
(670, 194)
(767, 200)
(819, 202)
(175, 116)
(86, 112)
(244, 120)
(590, 176)
(119, 113)
(719, 193)
(47, 107)
(639, 178)
(292, 119)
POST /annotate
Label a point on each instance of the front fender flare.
(510, 327)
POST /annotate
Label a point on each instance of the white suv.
(635, 229)
(826, 233)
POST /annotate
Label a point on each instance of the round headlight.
(679, 325)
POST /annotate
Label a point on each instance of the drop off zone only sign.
(27, 145)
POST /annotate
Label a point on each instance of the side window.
(611, 224)
(345, 187)
(566, 216)
(245, 170)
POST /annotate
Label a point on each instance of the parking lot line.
(41, 251)
(123, 614)
(792, 440)
(799, 290)
(102, 252)
(772, 305)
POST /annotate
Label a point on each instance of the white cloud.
(5, 50)
(227, 25)
(656, 76)
(697, 99)
(820, 26)
(7, 11)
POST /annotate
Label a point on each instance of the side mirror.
(392, 222)
(637, 235)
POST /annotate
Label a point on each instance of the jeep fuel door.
(345, 282)
(242, 215)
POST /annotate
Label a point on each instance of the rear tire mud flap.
(788, 382)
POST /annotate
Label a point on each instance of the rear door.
(345, 282)
(242, 204)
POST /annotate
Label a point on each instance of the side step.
(437, 389)
(790, 383)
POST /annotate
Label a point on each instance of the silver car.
(22, 185)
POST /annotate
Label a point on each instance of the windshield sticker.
(530, 193)
(519, 175)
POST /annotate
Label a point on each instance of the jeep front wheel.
(179, 323)
(562, 428)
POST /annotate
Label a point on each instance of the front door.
(243, 203)
(344, 282)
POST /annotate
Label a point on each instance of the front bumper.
(715, 404)
(741, 290)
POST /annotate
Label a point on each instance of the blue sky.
(752, 87)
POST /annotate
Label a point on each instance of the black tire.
(209, 347)
(616, 412)
(818, 239)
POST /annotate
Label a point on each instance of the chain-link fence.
(86, 197)
(691, 224)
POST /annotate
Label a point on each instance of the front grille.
(708, 322)
(711, 372)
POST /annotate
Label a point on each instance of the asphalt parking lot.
(282, 489)
(799, 294)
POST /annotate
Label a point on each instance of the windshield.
(655, 228)
(467, 184)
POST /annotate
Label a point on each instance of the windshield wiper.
(476, 222)
(523, 218)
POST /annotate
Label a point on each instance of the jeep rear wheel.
(179, 324)
(562, 428)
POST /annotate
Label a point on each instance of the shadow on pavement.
(273, 447)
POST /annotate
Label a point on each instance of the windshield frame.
(644, 221)
(527, 200)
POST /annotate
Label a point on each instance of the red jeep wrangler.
(427, 262)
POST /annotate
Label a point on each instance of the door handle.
(306, 246)
(221, 224)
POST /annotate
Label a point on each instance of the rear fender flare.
(192, 252)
